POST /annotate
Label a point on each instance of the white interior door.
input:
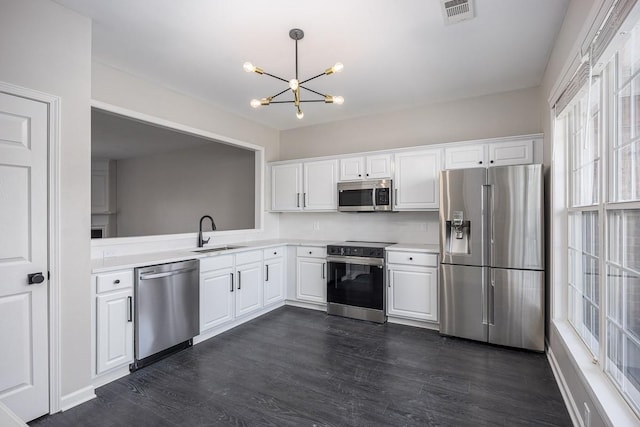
(24, 358)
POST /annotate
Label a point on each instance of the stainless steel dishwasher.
(167, 310)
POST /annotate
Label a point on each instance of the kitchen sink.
(218, 249)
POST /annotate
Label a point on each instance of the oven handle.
(355, 260)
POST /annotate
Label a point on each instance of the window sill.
(609, 402)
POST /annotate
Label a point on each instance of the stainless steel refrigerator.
(492, 255)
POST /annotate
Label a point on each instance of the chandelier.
(295, 84)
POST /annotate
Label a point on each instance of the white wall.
(405, 227)
(167, 193)
(503, 114)
(48, 48)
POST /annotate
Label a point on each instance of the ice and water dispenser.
(458, 235)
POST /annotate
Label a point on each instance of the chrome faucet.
(201, 241)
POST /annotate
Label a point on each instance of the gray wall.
(502, 114)
(168, 193)
(46, 47)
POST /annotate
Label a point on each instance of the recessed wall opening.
(151, 179)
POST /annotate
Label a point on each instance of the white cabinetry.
(103, 186)
(416, 180)
(273, 275)
(365, 167)
(311, 281)
(517, 152)
(412, 285)
(307, 186)
(248, 287)
(216, 291)
(114, 320)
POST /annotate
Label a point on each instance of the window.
(600, 128)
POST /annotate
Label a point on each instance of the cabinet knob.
(491, 161)
(275, 253)
(410, 258)
(480, 162)
(359, 174)
(367, 174)
(310, 252)
(115, 282)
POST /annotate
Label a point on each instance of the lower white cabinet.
(412, 286)
(114, 320)
(216, 296)
(248, 288)
(273, 275)
(311, 274)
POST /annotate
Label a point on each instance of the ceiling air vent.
(456, 10)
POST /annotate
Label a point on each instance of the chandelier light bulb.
(300, 114)
(293, 84)
(338, 100)
(249, 67)
(337, 67)
(255, 103)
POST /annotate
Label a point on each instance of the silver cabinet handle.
(130, 309)
(231, 281)
(389, 278)
(395, 197)
(239, 279)
(304, 200)
(324, 265)
(297, 200)
(267, 271)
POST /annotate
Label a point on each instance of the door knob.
(35, 278)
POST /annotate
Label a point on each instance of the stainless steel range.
(356, 280)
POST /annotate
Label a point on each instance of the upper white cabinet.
(365, 167)
(416, 180)
(518, 152)
(103, 186)
(304, 186)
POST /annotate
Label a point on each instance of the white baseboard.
(110, 376)
(70, 400)
(309, 305)
(569, 402)
(415, 323)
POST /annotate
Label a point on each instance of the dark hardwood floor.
(297, 367)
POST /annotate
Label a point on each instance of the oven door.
(356, 281)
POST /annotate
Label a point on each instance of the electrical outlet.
(316, 225)
(586, 416)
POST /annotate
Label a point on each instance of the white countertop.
(414, 247)
(101, 265)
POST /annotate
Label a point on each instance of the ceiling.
(396, 54)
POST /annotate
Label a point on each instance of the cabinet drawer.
(112, 281)
(311, 251)
(273, 252)
(247, 257)
(216, 262)
(412, 258)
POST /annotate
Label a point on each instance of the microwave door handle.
(373, 198)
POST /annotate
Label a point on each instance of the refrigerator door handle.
(490, 223)
(491, 301)
(484, 300)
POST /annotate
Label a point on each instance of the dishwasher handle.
(166, 273)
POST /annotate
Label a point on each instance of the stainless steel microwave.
(365, 196)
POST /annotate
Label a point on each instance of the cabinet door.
(466, 156)
(311, 283)
(286, 187)
(378, 166)
(216, 298)
(416, 180)
(273, 281)
(114, 340)
(413, 293)
(248, 288)
(352, 169)
(320, 186)
(511, 153)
